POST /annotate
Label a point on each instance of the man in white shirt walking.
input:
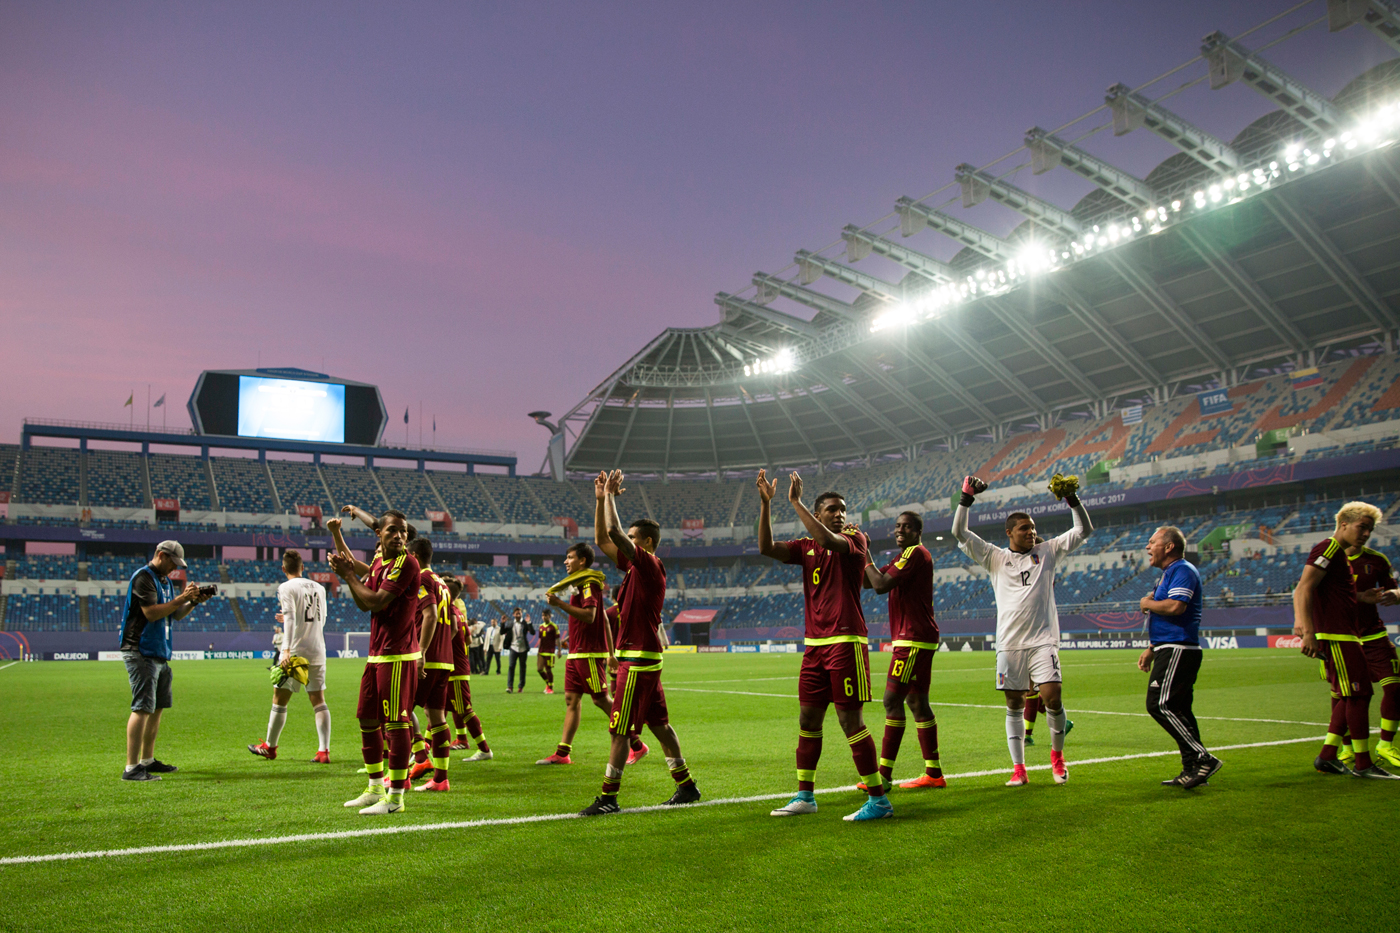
(1028, 623)
(303, 616)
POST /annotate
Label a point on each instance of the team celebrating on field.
(421, 648)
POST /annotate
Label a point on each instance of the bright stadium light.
(784, 361)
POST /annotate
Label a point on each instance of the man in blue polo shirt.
(1174, 653)
(151, 601)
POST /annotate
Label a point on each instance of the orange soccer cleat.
(924, 780)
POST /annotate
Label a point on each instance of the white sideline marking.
(548, 817)
(11, 664)
(1077, 712)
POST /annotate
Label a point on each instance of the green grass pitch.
(1269, 845)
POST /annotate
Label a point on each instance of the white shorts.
(1023, 668)
(315, 680)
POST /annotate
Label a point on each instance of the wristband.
(966, 500)
(1071, 500)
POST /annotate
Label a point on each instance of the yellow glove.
(1062, 486)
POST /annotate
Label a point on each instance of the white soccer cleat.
(480, 756)
(795, 807)
(365, 799)
(389, 803)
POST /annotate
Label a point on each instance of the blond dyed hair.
(1354, 512)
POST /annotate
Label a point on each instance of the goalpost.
(357, 641)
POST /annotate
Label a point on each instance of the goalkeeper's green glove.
(1066, 488)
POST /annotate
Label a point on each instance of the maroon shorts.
(838, 673)
(459, 695)
(1345, 665)
(1382, 661)
(911, 670)
(586, 675)
(386, 691)
(432, 689)
(637, 698)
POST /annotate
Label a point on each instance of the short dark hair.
(291, 561)
(1014, 519)
(546, 613)
(390, 513)
(817, 506)
(422, 550)
(584, 550)
(454, 586)
(917, 520)
(648, 528)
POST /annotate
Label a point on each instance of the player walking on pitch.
(303, 617)
(914, 632)
(464, 718)
(637, 694)
(1028, 624)
(590, 645)
(435, 635)
(390, 594)
(547, 650)
(836, 662)
(1372, 571)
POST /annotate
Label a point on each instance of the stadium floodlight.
(784, 361)
(1230, 61)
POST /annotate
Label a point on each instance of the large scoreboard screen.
(287, 404)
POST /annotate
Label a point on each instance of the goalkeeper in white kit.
(1028, 624)
(302, 660)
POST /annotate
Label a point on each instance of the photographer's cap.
(174, 549)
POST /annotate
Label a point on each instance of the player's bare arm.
(367, 599)
(1373, 597)
(622, 542)
(584, 615)
(333, 526)
(426, 632)
(354, 511)
(1162, 607)
(766, 546)
(1303, 595)
(600, 518)
(825, 528)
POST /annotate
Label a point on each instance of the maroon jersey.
(393, 630)
(549, 637)
(612, 615)
(911, 600)
(643, 592)
(1371, 569)
(831, 584)
(461, 660)
(587, 638)
(1334, 600)
(433, 597)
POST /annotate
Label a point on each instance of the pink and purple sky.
(489, 207)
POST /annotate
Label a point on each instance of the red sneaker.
(555, 760)
(924, 780)
(263, 750)
(442, 785)
(1057, 767)
(419, 769)
(1018, 777)
(637, 754)
(548, 690)
(322, 758)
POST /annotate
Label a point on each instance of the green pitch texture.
(1269, 845)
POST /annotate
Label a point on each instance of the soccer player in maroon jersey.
(590, 644)
(1372, 571)
(836, 662)
(1324, 615)
(914, 631)
(390, 594)
(435, 635)
(636, 664)
(459, 695)
(547, 649)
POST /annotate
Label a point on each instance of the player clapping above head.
(836, 662)
(303, 605)
(1028, 624)
(914, 632)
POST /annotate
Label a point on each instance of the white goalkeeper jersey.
(303, 605)
(1024, 585)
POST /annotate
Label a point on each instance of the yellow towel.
(580, 579)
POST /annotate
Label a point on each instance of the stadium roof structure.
(1270, 250)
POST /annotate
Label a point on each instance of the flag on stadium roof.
(405, 415)
(127, 403)
(160, 401)
(1132, 415)
(1306, 378)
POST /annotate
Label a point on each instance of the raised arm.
(824, 536)
(333, 526)
(600, 516)
(766, 546)
(367, 599)
(619, 540)
(971, 488)
(354, 511)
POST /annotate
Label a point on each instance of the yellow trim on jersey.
(1327, 636)
(631, 655)
(394, 658)
(904, 643)
(645, 670)
(1375, 637)
(834, 640)
(899, 564)
(438, 665)
(581, 655)
(396, 568)
(459, 677)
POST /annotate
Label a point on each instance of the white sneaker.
(795, 807)
(365, 799)
(389, 803)
(480, 756)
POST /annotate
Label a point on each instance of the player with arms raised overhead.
(303, 616)
(1325, 617)
(590, 644)
(909, 581)
(836, 662)
(1028, 624)
(390, 594)
(637, 694)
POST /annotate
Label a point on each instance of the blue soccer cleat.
(875, 808)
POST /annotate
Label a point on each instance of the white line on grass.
(547, 817)
(998, 706)
(11, 664)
